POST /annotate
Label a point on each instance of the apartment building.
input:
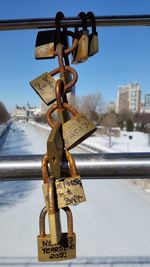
(129, 98)
(145, 106)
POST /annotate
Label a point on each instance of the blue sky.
(124, 54)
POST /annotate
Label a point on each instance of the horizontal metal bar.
(96, 166)
(69, 22)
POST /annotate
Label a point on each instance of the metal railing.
(69, 22)
(97, 166)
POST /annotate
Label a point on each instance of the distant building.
(25, 113)
(19, 113)
(146, 104)
(129, 98)
(147, 100)
(44, 108)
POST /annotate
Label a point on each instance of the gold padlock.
(81, 53)
(70, 190)
(55, 150)
(65, 249)
(75, 130)
(45, 44)
(93, 37)
(50, 198)
(44, 85)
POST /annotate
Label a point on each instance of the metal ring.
(59, 88)
(72, 82)
(55, 107)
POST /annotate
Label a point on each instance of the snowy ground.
(138, 143)
(114, 222)
(127, 142)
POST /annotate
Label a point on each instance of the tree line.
(94, 107)
(4, 115)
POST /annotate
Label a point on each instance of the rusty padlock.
(44, 85)
(81, 53)
(65, 249)
(75, 130)
(45, 44)
(50, 198)
(93, 37)
(70, 190)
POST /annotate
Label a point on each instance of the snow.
(123, 143)
(138, 143)
(114, 222)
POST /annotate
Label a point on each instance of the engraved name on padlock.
(44, 85)
(75, 130)
(65, 249)
(70, 190)
(45, 44)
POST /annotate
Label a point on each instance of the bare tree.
(4, 115)
(109, 121)
(91, 106)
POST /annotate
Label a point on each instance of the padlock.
(45, 44)
(75, 130)
(93, 37)
(60, 35)
(70, 190)
(44, 85)
(50, 198)
(81, 53)
(65, 249)
(55, 150)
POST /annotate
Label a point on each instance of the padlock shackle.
(72, 82)
(74, 44)
(59, 16)
(68, 212)
(91, 16)
(83, 16)
(69, 221)
(55, 107)
(45, 174)
(42, 221)
(72, 165)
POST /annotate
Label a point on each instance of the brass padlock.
(55, 150)
(81, 53)
(44, 85)
(45, 44)
(75, 130)
(50, 198)
(70, 190)
(65, 249)
(93, 37)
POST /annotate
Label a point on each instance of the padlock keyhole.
(54, 160)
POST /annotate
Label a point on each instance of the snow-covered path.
(114, 222)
